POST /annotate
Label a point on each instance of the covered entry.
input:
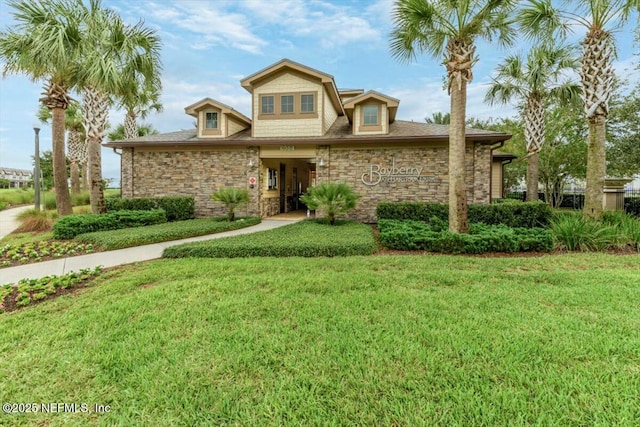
(287, 171)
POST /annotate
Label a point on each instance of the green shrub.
(632, 206)
(3, 205)
(118, 239)
(518, 215)
(304, 239)
(418, 235)
(232, 198)
(628, 227)
(176, 208)
(80, 199)
(70, 226)
(49, 201)
(574, 232)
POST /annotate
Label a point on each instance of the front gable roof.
(286, 64)
(193, 109)
(392, 103)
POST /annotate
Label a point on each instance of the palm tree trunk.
(458, 222)
(130, 126)
(75, 177)
(96, 109)
(532, 176)
(597, 77)
(63, 199)
(85, 175)
(596, 167)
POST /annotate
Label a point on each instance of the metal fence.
(574, 198)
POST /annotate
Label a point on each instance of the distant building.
(17, 177)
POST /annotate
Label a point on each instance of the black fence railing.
(574, 199)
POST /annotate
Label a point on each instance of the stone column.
(126, 173)
(613, 197)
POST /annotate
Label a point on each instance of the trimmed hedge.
(515, 215)
(118, 239)
(303, 239)
(177, 208)
(70, 226)
(418, 235)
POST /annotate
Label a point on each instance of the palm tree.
(139, 98)
(535, 82)
(118, 134)
(113, 52)
(601, 18)
(76, 147)
(450, 29)
(333, 197)
(44, 46)
(232, 198)
(439, 119)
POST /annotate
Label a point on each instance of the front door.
(283, 186)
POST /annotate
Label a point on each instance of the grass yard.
(386, 340)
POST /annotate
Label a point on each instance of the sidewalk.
(8, 221)
(114, 258)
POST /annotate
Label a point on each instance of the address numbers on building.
(287, 148)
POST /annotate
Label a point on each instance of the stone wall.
(196, 173)
(353, 165)
(126, 173)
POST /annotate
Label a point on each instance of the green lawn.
(387, 340)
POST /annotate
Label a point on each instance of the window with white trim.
(370, 115)
(211, 121)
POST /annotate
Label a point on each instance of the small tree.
(232, 198)
(334, 198)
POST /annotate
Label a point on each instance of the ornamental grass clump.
(334, 198)
(232, 198)
(35, 220)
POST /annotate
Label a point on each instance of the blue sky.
(210, 45)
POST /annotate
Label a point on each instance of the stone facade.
(197, 173)
(353, 165)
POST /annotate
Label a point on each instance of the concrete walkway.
(8, 221)
(114, 258)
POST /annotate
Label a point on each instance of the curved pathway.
(111, 258)
(8, 221)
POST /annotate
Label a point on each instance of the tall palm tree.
(113, 52)
(118, 134)
(450, 29)
(76, 147)
(44, 46)
(534, 82)
(139, 98)
(439, 118)
(601, 18)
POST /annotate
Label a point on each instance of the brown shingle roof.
(340, 131)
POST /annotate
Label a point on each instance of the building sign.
(378, 173)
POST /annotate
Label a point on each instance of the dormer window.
(307, 103)
(267, 104)
(370, 115)
(211, 121)
(286, 104)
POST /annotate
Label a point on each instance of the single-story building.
(303, 131)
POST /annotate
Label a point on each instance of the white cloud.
(209, 26)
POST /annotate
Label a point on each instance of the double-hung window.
(211, 121)
(286, 104)
(307, 103)
(267, 104)
(370, 115)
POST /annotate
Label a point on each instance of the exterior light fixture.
(251, 163)
(322, 164)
